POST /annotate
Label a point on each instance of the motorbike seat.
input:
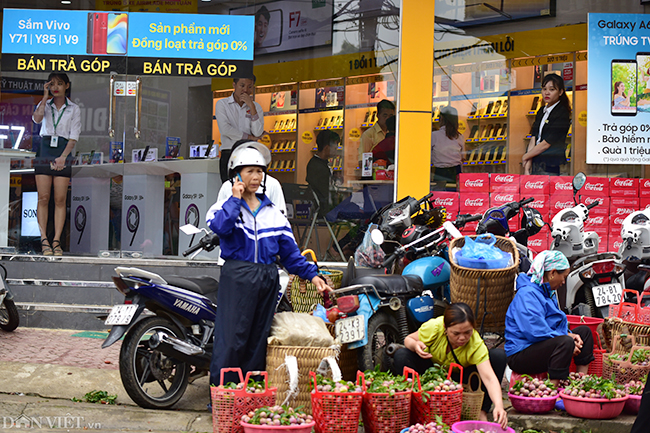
(203, 284)
(391, 285)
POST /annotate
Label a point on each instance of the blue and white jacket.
(257, 237)
(533, 316)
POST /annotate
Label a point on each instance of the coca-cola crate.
(623, 187)
(500, 182)
(603, 236)
(539, 242)
(499, 198)
(596, 186)
(469, 229)
(561, 184)
(624, 209)
(603, 204)
(644, 203)
(616, 221)
(559, 202)
(450, 200)
(541, 203)
(615, 240)
(474, 202)
(634, 202)
(596, 221)
(474, 182)
(644, 188)
(537, 185)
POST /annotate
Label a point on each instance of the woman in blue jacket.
(537, 335)
(252, 232)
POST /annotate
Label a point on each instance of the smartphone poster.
(618, 89)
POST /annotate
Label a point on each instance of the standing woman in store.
(447, 147)
(61, 125)
(547, 147)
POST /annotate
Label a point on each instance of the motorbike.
(595, 280)
(379, 310)
(9, 318)
(635, 251)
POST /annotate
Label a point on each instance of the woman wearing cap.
(538, 339)
(447, 147)
(253, 232)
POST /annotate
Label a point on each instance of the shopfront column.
(415, 98)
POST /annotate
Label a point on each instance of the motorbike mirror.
(377, 236)
(189, 229)
(579, 181)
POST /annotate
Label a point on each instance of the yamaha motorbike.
(9, 318)
(171, 346)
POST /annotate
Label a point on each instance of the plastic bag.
(481, 248)
(369, 253)
(299, 329)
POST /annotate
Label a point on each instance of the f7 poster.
(618, 108)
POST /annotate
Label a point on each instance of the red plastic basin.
(632, 404)
(593, 408)
(488, 427)
(301, 428)
(532, 405)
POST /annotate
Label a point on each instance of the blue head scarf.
(547, 261)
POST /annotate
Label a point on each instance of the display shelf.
(282, 166)
(321, 128)
(282, 131)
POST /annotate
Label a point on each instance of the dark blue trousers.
(245, 307)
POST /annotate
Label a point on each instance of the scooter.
(378, 310)
(635, 251)
(164, 352)
(9, 318)
(595, 280)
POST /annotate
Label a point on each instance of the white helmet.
(251, 153)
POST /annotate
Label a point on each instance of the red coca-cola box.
(644, 187)
(534, 185)
(603, 204)
(616, 221)
(559, 202)
(603, 236)
(623, 205)
(500, 182)
(596, 221)
(541, 203)
(499, 198)
(474, 182)
(623, 187)
(539, 242)
(474, 202)
(596, 186)
(615, 240)
(644, 203)
(469, 228)
(561, 185)
(450, 200)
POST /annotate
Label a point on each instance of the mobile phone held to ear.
(623, 89)
(239, 177)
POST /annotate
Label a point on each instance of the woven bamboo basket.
(615, 327)
(309, 359)
(496, 290)
(303, 294)
(623, 371)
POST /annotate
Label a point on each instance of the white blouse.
(68, 127)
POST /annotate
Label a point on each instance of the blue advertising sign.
(618, 86)
(155, 43)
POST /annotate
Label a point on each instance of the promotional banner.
(618, 110)
(155, 43)
(290, 25)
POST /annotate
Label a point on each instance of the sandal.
(56, 247)
(46, 248)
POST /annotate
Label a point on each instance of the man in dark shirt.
(318, 170)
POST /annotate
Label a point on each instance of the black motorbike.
(9, 318)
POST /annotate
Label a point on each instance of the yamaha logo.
(186, 306)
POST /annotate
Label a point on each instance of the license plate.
(350, 329)
(607, 294)
(121, 314)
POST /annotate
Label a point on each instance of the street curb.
(563, 422)
(28, 412)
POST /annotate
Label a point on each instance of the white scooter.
(635, 250)
(595, 280)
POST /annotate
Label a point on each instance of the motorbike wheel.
(152, 379)
(9, 317)
(382, 331)
(589, 297)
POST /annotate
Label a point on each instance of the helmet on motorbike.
(494, 221)
(248, 154)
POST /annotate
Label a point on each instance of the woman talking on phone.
(547, 147)
(60, 120)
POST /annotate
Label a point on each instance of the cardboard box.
(614, 240)
(596, 221)
(624, 209)
(450, 200)
(644, 203)
(603, 236)
(474, 182)
(470, 228)
(561, 184)
(601, 209)
(500, 182)
(616, 221)
(542, 204)
(534, 185)
(596, 186)
(623, 187)
(539, 242)
(500, 198)
(644, 188)
(474, 202)
(559, 202)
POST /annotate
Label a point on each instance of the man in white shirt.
(239, 118)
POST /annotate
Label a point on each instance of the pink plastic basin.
(488, 427)
(531, 405)
(301, 428)
(632, 404)
(593, 408)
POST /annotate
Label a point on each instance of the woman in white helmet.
(253, 232)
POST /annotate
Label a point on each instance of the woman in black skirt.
(61, 124)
